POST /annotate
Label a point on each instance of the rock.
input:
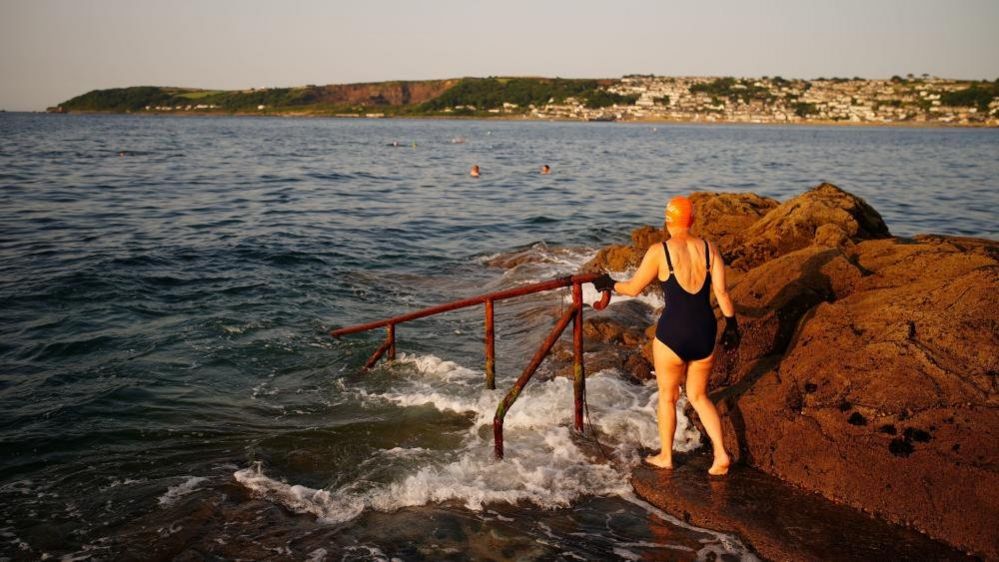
(886, 399)
(770, 516)
(824, 215)
(868, 366)
(612, 340)
(618, 257)
(720, 217)
(622, 323)
(772, 299)
(723, 217)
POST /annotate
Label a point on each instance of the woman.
(686, 267)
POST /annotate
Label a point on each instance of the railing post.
(490, 347)
(390, 338)
(511, 396)
(373, 360)
(578, 370)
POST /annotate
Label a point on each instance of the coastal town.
(776, 100)
(908, 100)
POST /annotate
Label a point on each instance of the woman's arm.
(647, 271)
(718, 283)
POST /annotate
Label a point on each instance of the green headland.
(911, 99)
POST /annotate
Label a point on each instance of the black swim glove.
(730, 336)
(604, 283)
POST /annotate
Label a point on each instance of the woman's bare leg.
(697, 394)
(669, 373)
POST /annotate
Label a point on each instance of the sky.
(53, 50)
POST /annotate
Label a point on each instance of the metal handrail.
(574, 315)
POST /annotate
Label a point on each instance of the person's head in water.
(679, 214)
(474, 172)
(546, 169)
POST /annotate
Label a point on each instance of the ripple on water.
(166, 313)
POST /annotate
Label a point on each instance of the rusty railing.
(574, 315)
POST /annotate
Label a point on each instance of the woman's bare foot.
(658, 461)
(720, 466)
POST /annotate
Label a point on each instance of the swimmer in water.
(474, 172)
(688, 269)
(545, 170)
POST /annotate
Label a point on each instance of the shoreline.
(521, 118)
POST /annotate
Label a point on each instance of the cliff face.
(868, 365)
(383, 93)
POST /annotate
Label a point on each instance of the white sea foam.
(173, 493)
(317, 555)
(544, 463)
(653, 300)
(540, 256)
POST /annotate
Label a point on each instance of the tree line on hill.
(470, 96)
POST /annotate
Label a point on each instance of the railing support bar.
(511, 396)
(390, 338)
(490, 347)
(377, 354)
(578, 369)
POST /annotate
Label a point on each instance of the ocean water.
(168, 386)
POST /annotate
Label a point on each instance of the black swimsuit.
(687, 325)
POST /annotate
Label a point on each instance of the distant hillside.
(407, 97)
(427, 97)
(912, 100)
(345, 97)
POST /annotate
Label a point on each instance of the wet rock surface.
(886, 399)
(823, 216)
(779, 522)
(612, 339)
(868, 366)
(721, 217)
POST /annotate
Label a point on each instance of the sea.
(169, 388)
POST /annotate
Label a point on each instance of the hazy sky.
(52, 50)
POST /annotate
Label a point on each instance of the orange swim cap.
(680, 212)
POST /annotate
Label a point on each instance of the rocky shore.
(867, 372)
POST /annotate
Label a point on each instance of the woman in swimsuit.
(687, 267)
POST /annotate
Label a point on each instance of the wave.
(546, 464)
(186, 487)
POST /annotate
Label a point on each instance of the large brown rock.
(720, 217)
(824, 216)
(723, 217)
(886, 399)
(868, 366)
(771, 301)
(621, 257)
